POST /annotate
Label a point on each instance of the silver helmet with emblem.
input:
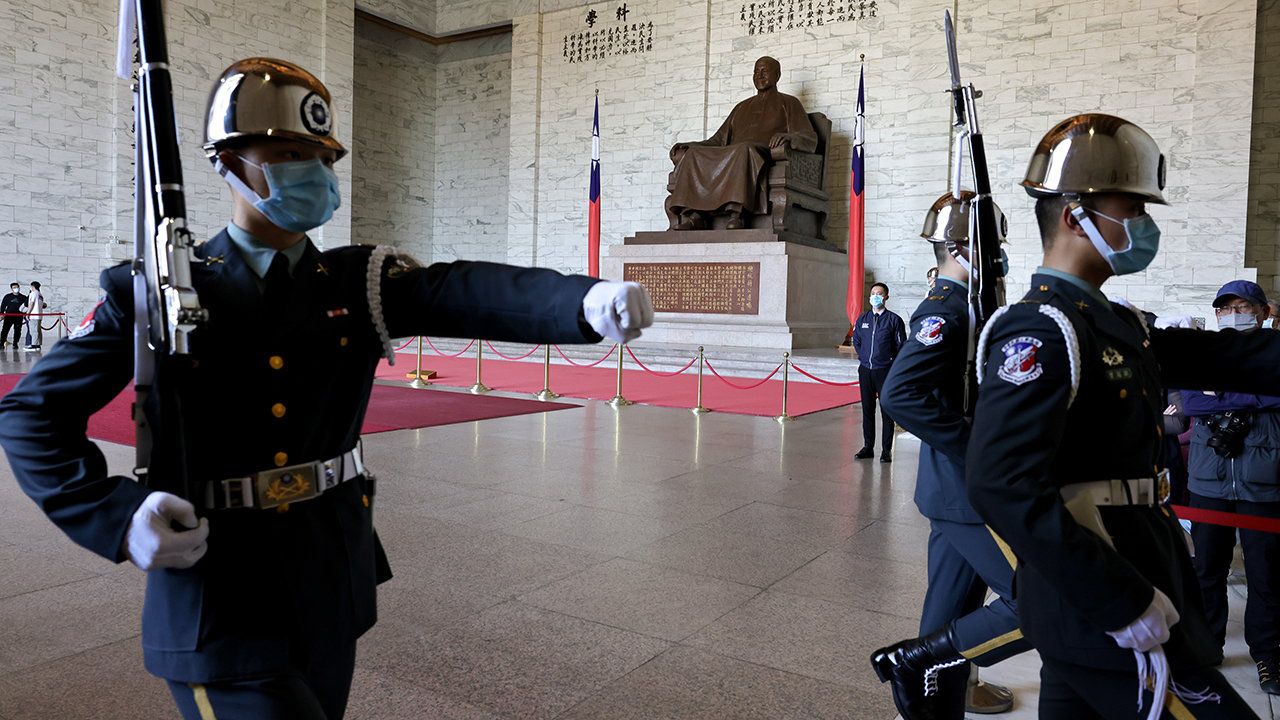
(947, 220)
(1096, 153)
(265, 97)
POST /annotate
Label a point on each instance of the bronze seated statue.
(764, 168)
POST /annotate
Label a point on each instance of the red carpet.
(598, 383)
(390, 408)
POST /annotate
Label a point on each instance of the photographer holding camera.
(1234, 466)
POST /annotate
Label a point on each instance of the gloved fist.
(618, 310)
(1151, 629)
(151, 542)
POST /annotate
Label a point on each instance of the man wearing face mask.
(925, 393)
(262, 565)
(1234, 466)
(1065, 454)
(878, 335)
(11, 306)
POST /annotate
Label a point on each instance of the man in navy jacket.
(878, 335)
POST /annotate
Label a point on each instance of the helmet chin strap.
(1091, 230)
(953, 248)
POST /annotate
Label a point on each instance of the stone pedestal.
(744, 288)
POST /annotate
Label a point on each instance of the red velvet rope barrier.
(498, 352)
(1228, 519)
(726, 381)
(586, 365)
(405, 345)
(445, 354)
(805, 373)
(647, 369)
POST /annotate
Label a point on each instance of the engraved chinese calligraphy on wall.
(719, 288)
(772, 16)
(597, 43)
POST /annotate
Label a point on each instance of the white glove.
(151, 542)
(618, 310)
(1151, 629)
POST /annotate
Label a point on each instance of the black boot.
(928, 674)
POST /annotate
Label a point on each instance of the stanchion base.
(419, 384)
(784, 418)
(699, 410)
(546, 394)
(479, 389)
(423, 375)
(619, 401)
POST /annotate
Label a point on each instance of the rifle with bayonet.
(986, 283)
(166, 308)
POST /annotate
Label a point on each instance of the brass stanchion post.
(545, 393)
(786, 367)
(479, 388)
(619, 401)
(699, 409)
(419, 377)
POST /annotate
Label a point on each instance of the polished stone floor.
(586, 563)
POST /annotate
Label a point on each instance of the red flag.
(593, 207)
(857, 213)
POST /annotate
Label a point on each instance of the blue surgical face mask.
(304, 193)
(877, 301)
(1143, 235)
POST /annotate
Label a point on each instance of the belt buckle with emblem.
(287, 485)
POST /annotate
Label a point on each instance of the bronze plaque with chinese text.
(721, 288)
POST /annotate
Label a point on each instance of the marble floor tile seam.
(680, 645)
(52, 662)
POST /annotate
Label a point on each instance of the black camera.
(1227, 432)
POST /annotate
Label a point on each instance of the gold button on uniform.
(342, 341)
(276, 362)
(1123, 393)
(281, 458)
(278, 410)
(1044, 288)
(365, 500)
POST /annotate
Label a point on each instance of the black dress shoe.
(928, 675)
(864, 454)
(886, 458)
(1268, 677)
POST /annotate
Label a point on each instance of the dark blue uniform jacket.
(877, 338)
(925, 395)
(1030, 439)
(270, 580)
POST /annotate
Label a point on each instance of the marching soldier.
(1064, 460)
(925, 393)
(262, 567)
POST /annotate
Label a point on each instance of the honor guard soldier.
(261, 571)
(925, 393)
(1064, 459)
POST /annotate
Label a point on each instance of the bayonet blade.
(953, 59)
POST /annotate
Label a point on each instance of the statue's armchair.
(797, 193)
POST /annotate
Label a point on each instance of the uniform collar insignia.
(1082, 304)
(215, 260)
(320, 268)
(1112, 357)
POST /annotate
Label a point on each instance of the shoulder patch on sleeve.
(930, 332)
(1021, 363)
(86, 325)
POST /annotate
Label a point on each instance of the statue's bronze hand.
(677, 150)
(779, 139)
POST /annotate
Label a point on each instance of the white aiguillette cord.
(1153, 666)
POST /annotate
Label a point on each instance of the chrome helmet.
(265, 97)
(947, 220)
(1096, 153)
